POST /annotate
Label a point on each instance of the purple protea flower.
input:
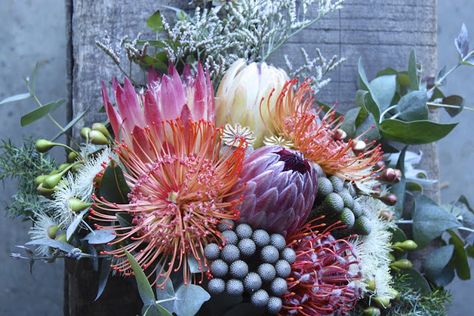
(279, 189)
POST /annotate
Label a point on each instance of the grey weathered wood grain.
(381, 32)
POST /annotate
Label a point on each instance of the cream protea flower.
(295, 119)
(166, 98)
(176, 199)
(241, 91)
(373, 249)
(44, 227)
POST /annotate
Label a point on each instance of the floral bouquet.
(224, 184)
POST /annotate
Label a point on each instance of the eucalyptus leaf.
(417, 281)
(454, 100)
(144, 287)
(166, 292)
(369, 103)
(412, 106)
(113, 186)
(430, 220)
(75, 223)
(73, 122)
(40, 112)
(15, 98)
(399, 188)
(155, 22)
(398, 235)
(189, 299)
(383, 90)
(51, 243)
(349, 123)
(462, 42)
(415, 132)
(460, 257)
(437, 260)
(150, 310)
(413, 71)
(194, 265)
(98, 237)
(103, 276)
(445, 277)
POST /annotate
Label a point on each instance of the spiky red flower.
(323, 277)
(298, 122)
(178, 182)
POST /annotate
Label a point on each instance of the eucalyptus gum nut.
(52, 230)
(408, 245)
(72, 156)
(77, 205)
(52, 181)
(40, 179)
(44, 145)
(371, 285)
(101, 128)
(97, 138)
(77, 167)
(61, 237)
(85, 132)
(382, 301)
(44, 191)
(402, 264)
(63, 166)
(372, 311)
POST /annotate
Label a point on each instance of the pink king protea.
(166, 98)
(280, 189)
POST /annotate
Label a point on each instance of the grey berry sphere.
(230, 237)
(279, 287)
(283, 268)
(288, 255)
(274, 305)
(239, 269)
(219, 268)
(324, 186)
(337, 183)
(234, 287)
(347, 198)
(278, 241)
(244, 231)
(261, 238)
(252, 282)
(230, 253)
(247, 247)
(363, 225)
(269, 254)
(216, 286)
(212, 251)
(357, 209)
(260, 298)
(226, 224)
(267, 272)
(347, 217)
(333, 203)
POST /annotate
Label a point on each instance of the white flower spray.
(44, 227)
(373, 250)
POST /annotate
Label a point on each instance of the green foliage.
(24, 164)
(113, 186)
(412, 302)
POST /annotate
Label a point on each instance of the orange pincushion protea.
(178, 185)
(298, 123)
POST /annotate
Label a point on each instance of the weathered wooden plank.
(382, 33)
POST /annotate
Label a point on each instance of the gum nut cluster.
(253, 262)
(337, 199)
(280, 188)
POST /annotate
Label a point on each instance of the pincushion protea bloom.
(240, 92)
(280, 188)
(176, 199)
(324, 277)
(166, 98)
(295, 120)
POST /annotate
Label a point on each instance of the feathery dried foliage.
(24, 164)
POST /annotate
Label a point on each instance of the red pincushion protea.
(296, 121)
(166, 98)
(176, 199)
(323, 277)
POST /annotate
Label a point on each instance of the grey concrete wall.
(30, 31)
(456, 153)
(33, 30)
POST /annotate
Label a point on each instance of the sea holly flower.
(240, 93)
(280, 188)
(166, 98)
(295, 119)
(177, 197)
(324, 277)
